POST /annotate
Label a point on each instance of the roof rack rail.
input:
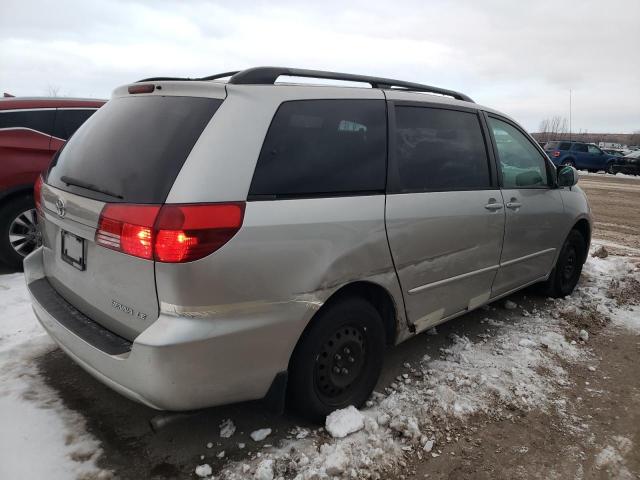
(184, 79)
(269, 75)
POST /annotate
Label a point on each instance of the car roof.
(20, 103)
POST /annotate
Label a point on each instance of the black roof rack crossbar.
(269, 75)
(184, 79)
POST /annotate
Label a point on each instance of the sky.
(519, 57)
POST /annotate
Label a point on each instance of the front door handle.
(514, 205)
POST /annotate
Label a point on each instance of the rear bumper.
(177, 363)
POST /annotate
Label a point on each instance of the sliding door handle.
(493, 206)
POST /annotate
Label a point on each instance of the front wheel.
(338, 360)
(565, 275)
(610, 169)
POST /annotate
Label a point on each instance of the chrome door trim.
(452, 279)
(527, 257)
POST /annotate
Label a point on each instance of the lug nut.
(345, 371)
(347, 351)
(338, 357)
(336, 370)
(351, 359)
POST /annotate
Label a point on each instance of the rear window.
(580, 147)
(132, 148)
(323, 147)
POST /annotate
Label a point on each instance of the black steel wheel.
(566, 273)
(338, 360)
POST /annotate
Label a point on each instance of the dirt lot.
(596, 433)
(615, 203)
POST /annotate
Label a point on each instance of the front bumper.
(177, 363)
(627, 168)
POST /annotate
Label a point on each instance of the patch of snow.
(264, 470)
(203, 470)
(259, 435)
(510, 305)
(583, 335)
(341, 423)
(40, 437)
(227, 428)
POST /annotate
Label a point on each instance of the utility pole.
(569, 114)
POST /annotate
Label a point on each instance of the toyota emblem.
(60, 208)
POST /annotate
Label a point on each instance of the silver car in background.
(209, 241)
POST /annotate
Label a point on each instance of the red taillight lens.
(171, 233)
(556, 154)
(188, 232)
(128, 228)
(37, 193)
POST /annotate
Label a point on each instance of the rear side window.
(557, 146)
(323, 147)
(132, 148)
(579, 147)
(438, 149)
(68, 121)
(38, 120)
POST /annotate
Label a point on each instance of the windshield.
(132, 149)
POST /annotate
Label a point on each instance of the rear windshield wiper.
(88, 186)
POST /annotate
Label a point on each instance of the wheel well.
(583, 227)
(378, 296)
(15, 193)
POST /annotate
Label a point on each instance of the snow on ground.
(584, 173)
(515, 365)
(39, 438)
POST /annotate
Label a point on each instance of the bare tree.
(554, 128)
(53, 90)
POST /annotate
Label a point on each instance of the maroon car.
(31, 132)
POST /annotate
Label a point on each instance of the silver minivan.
(209, 241)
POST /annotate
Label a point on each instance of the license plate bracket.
(74, 250)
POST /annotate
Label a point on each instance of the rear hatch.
(129, 152)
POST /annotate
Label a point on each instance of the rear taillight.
(128, 228)
(37, 193)
(556, 154)
(169, 233)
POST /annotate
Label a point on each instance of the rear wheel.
(338, 360)
(569, 162)
(566, 273)
(610, 169)
(19, 234)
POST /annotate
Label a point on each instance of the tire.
(18, 232)
(566, 273)
(609, 169)
(338, 360)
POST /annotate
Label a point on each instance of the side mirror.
(567, 176)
